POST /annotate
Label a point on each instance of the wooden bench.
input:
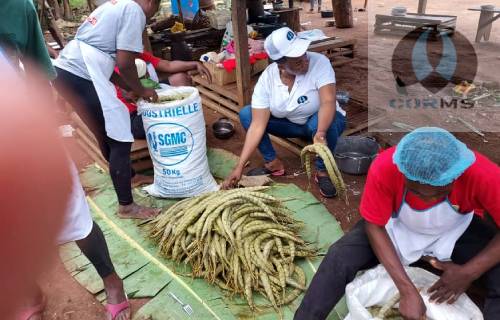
(139, 154)
(337, 50)
(486, 19)
(402, 25)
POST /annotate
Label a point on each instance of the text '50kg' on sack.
(175, 131)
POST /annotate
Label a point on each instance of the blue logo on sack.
(169, 143)
(302, 99)
(290, 35)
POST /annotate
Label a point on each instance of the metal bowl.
(223, 128)
(343, 97)
(326, 13)
(354, 154)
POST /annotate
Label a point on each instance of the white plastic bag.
(176, 137)
(228, 34)
(312, 35)
(375, 287)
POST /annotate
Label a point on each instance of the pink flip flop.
(278, 173)
(114, 309)
(27, 313)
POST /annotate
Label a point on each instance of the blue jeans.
(284, 128)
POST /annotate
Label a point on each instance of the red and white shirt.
(477, 189)
(148, 58)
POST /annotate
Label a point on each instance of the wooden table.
(339, 51)
(290, 16)
(402, 25)
(486, 19)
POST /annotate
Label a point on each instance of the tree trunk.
(54, 4)
(343, 13)
(90, 5)
(68, 14)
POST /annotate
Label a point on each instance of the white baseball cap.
(141, 67)
(285, 43)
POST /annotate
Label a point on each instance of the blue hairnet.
(432, 156)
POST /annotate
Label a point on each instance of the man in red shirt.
(426, 198)
(174, 73)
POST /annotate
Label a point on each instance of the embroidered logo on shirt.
(92, 20)
(290, 35)
(302, 99)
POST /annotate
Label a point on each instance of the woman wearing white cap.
(294, 98)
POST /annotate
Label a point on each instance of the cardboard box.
(221, 77)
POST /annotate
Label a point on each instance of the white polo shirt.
(303, 100)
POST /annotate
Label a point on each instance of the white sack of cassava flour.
(176, 136)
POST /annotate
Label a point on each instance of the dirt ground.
(68, 300)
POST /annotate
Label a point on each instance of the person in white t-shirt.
(111, 36)
(295, 97)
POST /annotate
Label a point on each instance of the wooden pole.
(239, 18)
(422, 5)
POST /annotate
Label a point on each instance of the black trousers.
(81, 94)
(353, 253)
(137, 126)
(94, 247)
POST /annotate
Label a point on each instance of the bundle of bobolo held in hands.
(322, 151)
(242, 240)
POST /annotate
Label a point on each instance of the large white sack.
(375, 287)
(176, 137)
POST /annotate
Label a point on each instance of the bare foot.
(275, 165)
(115, 294)
(140, 179)
(135, 211)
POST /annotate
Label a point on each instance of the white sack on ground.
(375, 287)
(175, 131)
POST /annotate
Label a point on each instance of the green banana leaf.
(150, 84)
(148, 275)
